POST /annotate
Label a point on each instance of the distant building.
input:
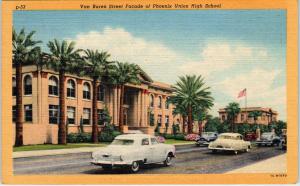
(267, 115)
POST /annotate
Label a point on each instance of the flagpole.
(246, 107)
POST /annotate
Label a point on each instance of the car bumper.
(264, 142)
(112, 163)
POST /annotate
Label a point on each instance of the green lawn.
(173, 141)
(53, 146)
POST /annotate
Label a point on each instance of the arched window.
(151, 100)
(167, 103)
(27, 85)
(71, 88)
(14, 86)
(53, 86)
(101, 93)
(86, 91)
(159, 102)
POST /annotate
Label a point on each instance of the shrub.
(168, 136)
(79, 138)
(108, 134)
(191, 137)
(160, 139)
(179, 137)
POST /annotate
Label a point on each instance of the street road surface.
(191, 160)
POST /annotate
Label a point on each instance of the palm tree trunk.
(190, 122)
(62, 113)
(19, 107)
(183, 123)
(121, 114)
(200, 127)
(232, 125)
(95, 113)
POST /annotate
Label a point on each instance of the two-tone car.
(230, 142)
(133, 150)
(268, 139)
(206, 138)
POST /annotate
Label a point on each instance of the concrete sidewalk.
(35, 153)
(275, 164)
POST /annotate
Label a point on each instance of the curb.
(28, 154)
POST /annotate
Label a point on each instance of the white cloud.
(154, 57)
(217, 57)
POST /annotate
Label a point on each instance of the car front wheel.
(168, 161)
(135, 167)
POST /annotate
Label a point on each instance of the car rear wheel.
(247, 149)
(135, 167)
(168, 160)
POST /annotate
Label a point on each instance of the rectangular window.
(86, 116)
(53, 90)
(71, 115)
(151, 119)
(53, 114)
(86, 95)
(28, 113)
(14, 113)
(166, 120)
(159, 120)
(242, 117)
(100, 116)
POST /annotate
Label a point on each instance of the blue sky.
(232, 49)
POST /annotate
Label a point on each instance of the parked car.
(206, 138)
(133, 150)
(268, 139)
(230, 142)
(250, 136)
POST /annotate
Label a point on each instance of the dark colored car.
(206, 138)
(268, 139)
(283, 142)
(251, 136)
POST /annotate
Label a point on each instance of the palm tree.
(23, 47)
(63, 58)
(190, 92)
(255, 114)
(97, 66)
(232, 109)
(122, 74)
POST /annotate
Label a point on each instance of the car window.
(122, 142)
(145, 141)
(154, 141)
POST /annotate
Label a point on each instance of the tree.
(190, 92)
(122, 74)
(105, 117)
(232, 110)
(23, 47)
(96, 66)
(63, 58)
(255, 114)
(180, 110)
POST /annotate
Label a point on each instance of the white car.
(230, 142)
(131, 151)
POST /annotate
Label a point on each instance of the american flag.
(242, 93)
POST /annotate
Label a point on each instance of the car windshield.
(228, 137)
(122, 142)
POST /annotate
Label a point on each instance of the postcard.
(149, 92)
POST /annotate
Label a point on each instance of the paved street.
(189, 160)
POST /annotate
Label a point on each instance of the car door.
(147, 151)
(157, 151)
